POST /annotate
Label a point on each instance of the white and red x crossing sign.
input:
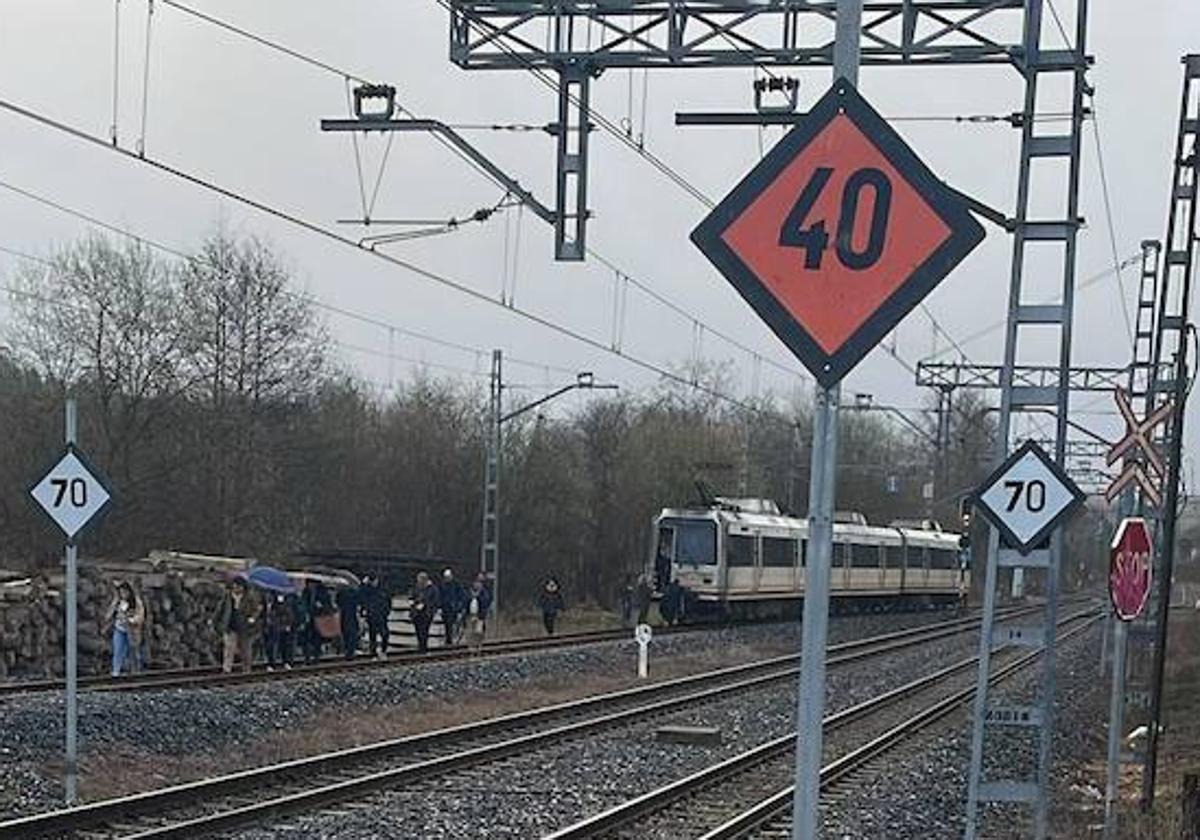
(1143, 462)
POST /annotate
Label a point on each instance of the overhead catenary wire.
(1108, 217)
(309, 299)
(116, 71)
(1084, 284)
(614, 130)
(141, 143)
(332, 236)
(345, 74)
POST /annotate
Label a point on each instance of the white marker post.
(642, 636)
(73, 494)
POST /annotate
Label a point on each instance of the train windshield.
(688, 542)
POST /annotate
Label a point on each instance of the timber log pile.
(181, 593)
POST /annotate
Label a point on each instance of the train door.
(883, 566)
(780, 555)
(740, 562)
(756, 584)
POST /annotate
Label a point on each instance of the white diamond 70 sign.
(73, 493)
(1027, 496)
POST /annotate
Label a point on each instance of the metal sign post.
(822, 485)
(72, 605)
(1129, 581)
(73, 494)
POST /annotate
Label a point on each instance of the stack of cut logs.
(181, 593)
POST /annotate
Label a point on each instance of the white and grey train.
(743, 558)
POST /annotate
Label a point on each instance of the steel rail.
(547, 727)
(213, 677)
(628, 814)
(779, 804)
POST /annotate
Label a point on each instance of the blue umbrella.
(270, 578)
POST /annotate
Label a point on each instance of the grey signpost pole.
(1116, 714)
(822, 482)
(72, 634)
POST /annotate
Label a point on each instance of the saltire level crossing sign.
(837, 234)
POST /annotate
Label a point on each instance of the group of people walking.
(463, 610)
(318, 615)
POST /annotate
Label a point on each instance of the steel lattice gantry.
(579, 39)
(1049, 165)
(1170, 384)
(1043, 378)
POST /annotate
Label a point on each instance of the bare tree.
(259, 350)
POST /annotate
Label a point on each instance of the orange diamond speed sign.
(837, 233)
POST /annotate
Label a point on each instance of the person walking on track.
(454, 603)
(550, 601)
(425, 603)
(237, 622)
(127, 616)
(280, 626)
(377, 604)
(479, 601)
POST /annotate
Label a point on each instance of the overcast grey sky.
(246, 117)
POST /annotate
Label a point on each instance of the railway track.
(212, 677)
(724, 801)
(262, 794)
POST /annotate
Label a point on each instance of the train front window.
(688, 542)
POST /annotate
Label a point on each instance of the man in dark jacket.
(550, 601)
(281, 620)
(425, 602)
(347, 600)
(453, 600)
(376, 604)
(314, 602)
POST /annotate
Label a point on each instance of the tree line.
(208, 393)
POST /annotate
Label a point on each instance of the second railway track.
(725, 801)
(261, 794)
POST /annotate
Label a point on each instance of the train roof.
(748, 520)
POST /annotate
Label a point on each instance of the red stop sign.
(1129, 571)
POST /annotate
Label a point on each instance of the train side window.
(739, 550)
(864, 556)
(779, 553)
(925, 558)
(943, 559)
(895, 556)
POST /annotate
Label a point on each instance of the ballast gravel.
(919, 790)
(173, 722)
(539, 792)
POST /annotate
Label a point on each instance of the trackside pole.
(822, 484)
(1116, 715)
(72, 635)
(811, 710)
